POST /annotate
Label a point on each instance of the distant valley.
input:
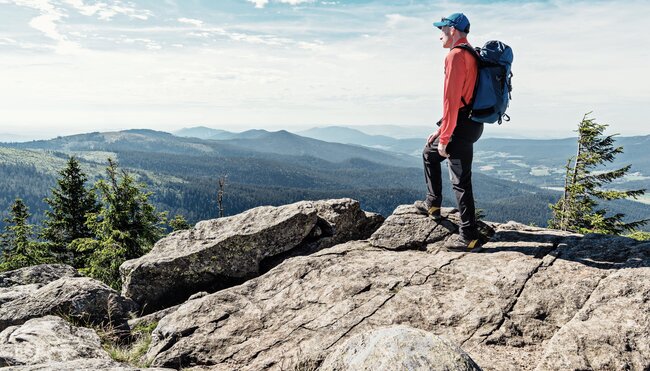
(535, 162)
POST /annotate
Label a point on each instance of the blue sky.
(72, 66)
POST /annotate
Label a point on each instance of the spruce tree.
(19, 249)
(126, 226)
(179, 223)
(577, 209)
(70, 202)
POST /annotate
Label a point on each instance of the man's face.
(445, 37)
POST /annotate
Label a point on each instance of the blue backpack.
(493, 82)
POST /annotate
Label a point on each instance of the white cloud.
(194, 22)
(7, 41)
(259, 3)
(148, 43)
(106, 11)
(209, 32)
(398, 20)
(47, 24)
(296, 2)
(52, 16)
(262, 3)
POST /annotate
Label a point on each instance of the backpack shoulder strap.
(475, 53)
(470, 49)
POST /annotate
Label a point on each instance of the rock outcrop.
(397, 348)
(331, 296)
(81, 298)
(531, 298)
(51, 343)
(407, 229)
(37, 274)
(48, 339)
(220, 253)
(22, 282)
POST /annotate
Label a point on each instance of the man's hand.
(442, 150)
(433, 137)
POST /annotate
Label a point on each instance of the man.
(454, 140)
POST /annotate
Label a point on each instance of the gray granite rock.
(48, 339)
(526, 297)
(219, 253)
(8, 294)
(397, 348)
(37, 274)
(81, 298)
(83, 365)
(51, 343)
(22, 282)
(407, 228)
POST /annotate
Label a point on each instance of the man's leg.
(432, 174)
(460, 170)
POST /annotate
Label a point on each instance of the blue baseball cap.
(457, 20)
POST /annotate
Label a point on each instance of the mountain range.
(535, 162)
(261, 168)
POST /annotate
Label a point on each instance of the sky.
(73, 66)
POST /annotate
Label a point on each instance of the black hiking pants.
(461, 153)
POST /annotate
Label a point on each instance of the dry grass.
(132, 352)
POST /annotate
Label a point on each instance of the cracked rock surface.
(530, 299)
(22, 282)
(82, 298)
(50, 343)
(223, 252)
(398, 348)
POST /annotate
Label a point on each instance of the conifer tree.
(69, 203)
(179, 223)
(19, 249)
(576, 210)
(126, 226)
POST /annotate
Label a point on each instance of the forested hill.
(265, 169)
(256, 143)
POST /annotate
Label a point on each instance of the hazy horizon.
(393, 131)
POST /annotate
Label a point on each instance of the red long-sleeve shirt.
(460, 77)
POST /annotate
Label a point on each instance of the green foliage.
(69, 203)
(639, 235)
(576, 210)
(19, 248)
(131, 350)
(179, 223)
(134, 352)
(126, 226)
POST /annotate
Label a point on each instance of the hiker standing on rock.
(454, 139)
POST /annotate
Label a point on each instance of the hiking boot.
(432, 211)
(457, 242)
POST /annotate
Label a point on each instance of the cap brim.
(440, 24)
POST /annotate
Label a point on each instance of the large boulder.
(397, 348)
(407, 229)
(48, 339)
(50, 343)
(37, 274)
(81, 298)
(22, 282)
(530, 298)
(220, 253)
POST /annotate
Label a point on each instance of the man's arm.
(453, 88)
